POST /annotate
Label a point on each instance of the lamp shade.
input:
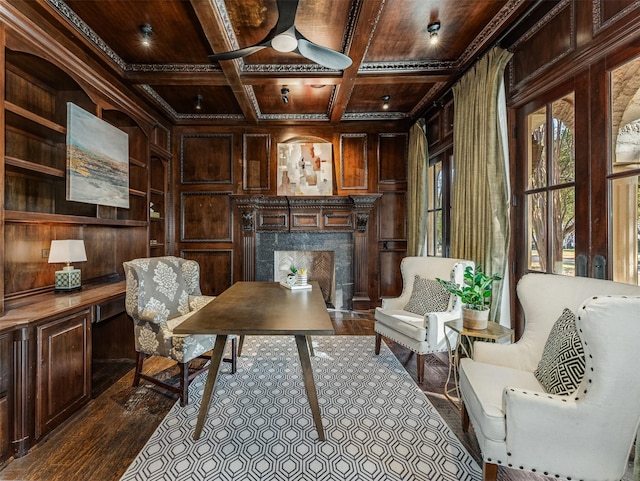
(67, 251)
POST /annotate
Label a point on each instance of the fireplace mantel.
(262, 213)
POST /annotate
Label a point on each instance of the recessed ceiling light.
(433, 29)
(147, 31)
(385, 102)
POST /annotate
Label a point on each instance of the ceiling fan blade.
(322, 55)
(287, 10)
(286, 16)
(242, 52)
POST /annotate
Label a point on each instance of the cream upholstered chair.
(161, 293)
(416, 318)
(559, 423)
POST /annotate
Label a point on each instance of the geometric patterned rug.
(378, 424)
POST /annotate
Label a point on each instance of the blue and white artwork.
(97, 160)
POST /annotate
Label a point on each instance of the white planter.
(472, 319)
(302, 279)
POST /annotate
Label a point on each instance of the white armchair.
(421, 333)
(585, 435)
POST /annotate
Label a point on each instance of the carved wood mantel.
(309, 214)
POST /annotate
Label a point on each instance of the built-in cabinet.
(46, 354)
(63, 369)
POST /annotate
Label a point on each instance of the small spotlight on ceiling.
(198, 102)
(147, 31)
(433, 29)
(385, 102)
(285, 92)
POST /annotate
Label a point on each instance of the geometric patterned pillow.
(427, 296)
(561, 368)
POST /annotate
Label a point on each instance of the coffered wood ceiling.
(387, 41)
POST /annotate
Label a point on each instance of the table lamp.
(67, 251)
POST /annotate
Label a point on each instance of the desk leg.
(309, 384)
(212, 376)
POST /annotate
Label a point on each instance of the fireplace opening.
(334, 271)
(320, 266)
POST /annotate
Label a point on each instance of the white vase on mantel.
(473, 319)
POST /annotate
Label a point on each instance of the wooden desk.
(466, 337)
(262, 308)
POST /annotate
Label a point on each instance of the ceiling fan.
(285, 37)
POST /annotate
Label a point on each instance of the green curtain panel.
(480, 201)
(417, 185)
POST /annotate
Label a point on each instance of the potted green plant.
(475, 294)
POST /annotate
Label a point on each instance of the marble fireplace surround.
(329, 223)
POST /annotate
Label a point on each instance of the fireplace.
(335, 224)
(327, 258)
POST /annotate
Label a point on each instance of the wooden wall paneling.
(592, 98)
(25, 267)
(390, 275)
(608, 12)
(206, 158)
(552, 39)
(256, 160)
(216, 269)
(131, 243)
(102, 258)
(354, 169)
(205, 217)
(392, 211)
(434, 129)
(392, 157)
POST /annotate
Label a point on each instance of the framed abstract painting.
(305, 168)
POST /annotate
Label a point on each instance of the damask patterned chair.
(563, 400)
(161, 293)
(416, 318)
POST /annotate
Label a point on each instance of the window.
(624, 172)
(550, 191)
(438, 205)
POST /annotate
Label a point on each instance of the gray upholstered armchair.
(161, 293)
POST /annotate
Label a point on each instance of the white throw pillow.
(427, 296)
(561, 368)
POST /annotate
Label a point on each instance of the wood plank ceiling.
(387, 41)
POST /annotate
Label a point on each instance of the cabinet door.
(64, 369)
(5, 396)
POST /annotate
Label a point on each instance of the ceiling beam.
(366, 20)
(213, 28)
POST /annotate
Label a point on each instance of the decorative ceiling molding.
(72, 18)
(429, 97)
(172, 67)
(374, 116)
(409, 66)
(177, 116)
(313, 117)
(480, 42)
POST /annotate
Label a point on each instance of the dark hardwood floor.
(101, 440)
